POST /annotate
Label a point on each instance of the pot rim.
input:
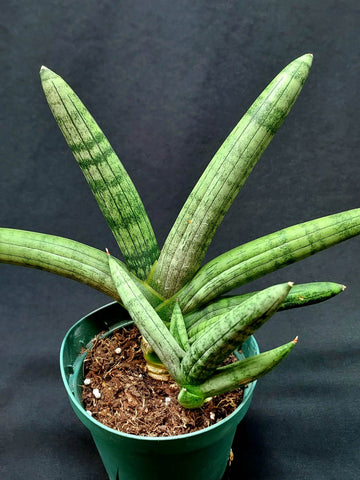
(244, 404)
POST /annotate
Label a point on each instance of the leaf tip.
(343, 287)
(309, 56)
(107, 252)
(46, 73)
(295, 340)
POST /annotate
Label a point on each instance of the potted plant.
(188, 326)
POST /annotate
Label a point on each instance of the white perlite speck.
(96, 393)
(118, 350)
(87, 381)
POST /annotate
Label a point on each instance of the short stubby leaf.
(230, 331)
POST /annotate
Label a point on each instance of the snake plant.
(189, 327)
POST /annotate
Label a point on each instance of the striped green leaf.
(305, 294)
(114, 192)
(146, 319)
(264, 255)
(300, 295)
(178, 328)
(235, 326)
(233, 376)
(189, 238)
(64, 257)
(200, 328)
(58, 255)
(243, 372)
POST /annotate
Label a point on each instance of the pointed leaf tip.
(107, 252)
(343, 287)
(307, 58)
(215, 191)
(45, 73)
(296, 339)
(112, 187)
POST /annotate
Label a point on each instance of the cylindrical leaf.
(58, 255)
(245, 371)
(266, 254)
(178, 328)
(300, 295)
(146, 319)
(233, 376)
(189, 238)
(113, 189)
(234, 327)
(64, 257)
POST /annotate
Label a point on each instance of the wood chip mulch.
(133, 402)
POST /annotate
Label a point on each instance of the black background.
(167, 81)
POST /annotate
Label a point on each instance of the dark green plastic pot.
(201, 455)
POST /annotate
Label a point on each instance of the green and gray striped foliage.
(238, 373)
(188, 325)
(196, 368)
(147, 320)
(64, 257)
(299, 296)
(255, 259)
(264, 255)
(232, 329)
(189, 238)
(111, 185)
(178, 328)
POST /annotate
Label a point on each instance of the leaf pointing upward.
(112, 187)
(217, 188)
(146, 319)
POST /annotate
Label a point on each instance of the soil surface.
(119, 393)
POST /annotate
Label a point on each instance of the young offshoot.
(196, 368)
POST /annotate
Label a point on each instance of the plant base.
(132, 401)
(128, 457)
